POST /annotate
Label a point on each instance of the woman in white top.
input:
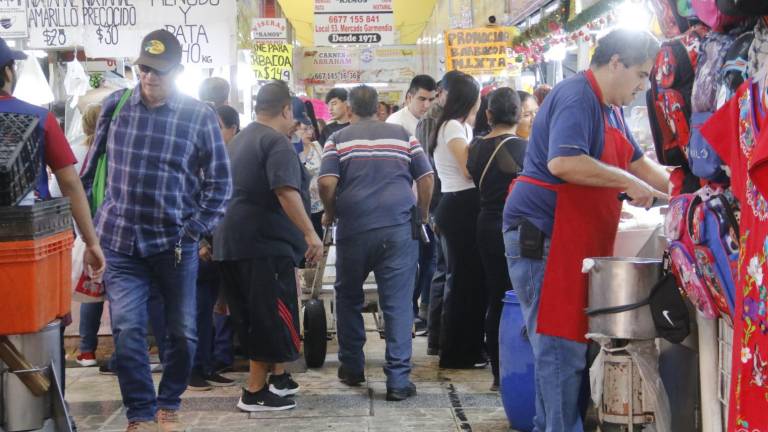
(464, 303)
(311, 156)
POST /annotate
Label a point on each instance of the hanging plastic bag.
(32, 86)
(76, 81)
(86, 290)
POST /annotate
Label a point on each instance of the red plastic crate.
(35, 282)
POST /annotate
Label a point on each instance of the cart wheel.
(315, 333)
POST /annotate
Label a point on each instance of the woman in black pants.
(464, 303)
(494, 161)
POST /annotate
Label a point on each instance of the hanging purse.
(490, 161)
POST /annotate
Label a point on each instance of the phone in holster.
(531, 241)
(418, 229)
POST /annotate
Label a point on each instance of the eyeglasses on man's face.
(146, 69)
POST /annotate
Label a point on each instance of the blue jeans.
(129, 280)
(90, 321)
(559, 363)
(391, 254)
(207, 293)
(427, 265)
(223, 355)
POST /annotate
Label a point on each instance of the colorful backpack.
(702, 255)
(670, 21)
(712, 53)
(758, 51)
(702, 158)
(743, 7)
(709, 14)
(720, 235)
(734, 71)
(682, 255)
(669, 96)
(724, 76)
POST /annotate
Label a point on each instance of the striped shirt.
(168, 174)
(376, 164)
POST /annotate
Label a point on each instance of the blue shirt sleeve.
(420, 165)
(330, 166)
(571, 128)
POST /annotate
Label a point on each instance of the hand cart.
(318, 299)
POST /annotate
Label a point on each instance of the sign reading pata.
(354, 22)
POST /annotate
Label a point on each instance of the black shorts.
(263, 305)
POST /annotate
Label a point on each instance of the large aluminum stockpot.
(615, 282)
(23, 411)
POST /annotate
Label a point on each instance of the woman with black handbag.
(494, 162)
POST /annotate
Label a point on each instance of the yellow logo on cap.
(154, 47)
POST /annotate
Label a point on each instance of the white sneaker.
(86, 359)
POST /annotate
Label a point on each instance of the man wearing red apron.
(565, 208)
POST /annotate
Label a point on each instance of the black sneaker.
(397, 395)
(349, 378)
(421, 327)
(283, 385)
(105, 370)
(495, 385)
(481, 363)
(221, 368)
(217, 380)
(198, 383)
(263, 400)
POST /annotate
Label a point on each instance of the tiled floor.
(447, 400)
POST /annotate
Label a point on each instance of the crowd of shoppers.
(200, 225)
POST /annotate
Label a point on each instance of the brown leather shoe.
(168, 421)
(141, 427)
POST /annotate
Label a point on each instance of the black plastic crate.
(20, 159)
(42, 219)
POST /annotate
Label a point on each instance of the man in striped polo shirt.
(365, 181)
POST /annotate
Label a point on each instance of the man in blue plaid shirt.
(168, 184)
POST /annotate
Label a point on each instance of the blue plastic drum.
(516, 366)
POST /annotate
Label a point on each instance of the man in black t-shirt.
(336, 99)
(265, 233)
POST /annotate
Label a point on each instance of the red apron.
(586, 222)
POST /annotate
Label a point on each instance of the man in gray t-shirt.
(365, 180)
(262, 238)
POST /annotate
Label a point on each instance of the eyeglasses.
(146, 69)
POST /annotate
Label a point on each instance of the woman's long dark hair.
(462, 97)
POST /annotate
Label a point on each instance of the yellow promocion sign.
(480, 50)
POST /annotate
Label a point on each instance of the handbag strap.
(123, 99)
(490, 160)
(98, 187)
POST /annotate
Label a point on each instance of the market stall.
(705, 113)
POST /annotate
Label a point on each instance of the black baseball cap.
(300, 111)
(160, 50)
(7, 54)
